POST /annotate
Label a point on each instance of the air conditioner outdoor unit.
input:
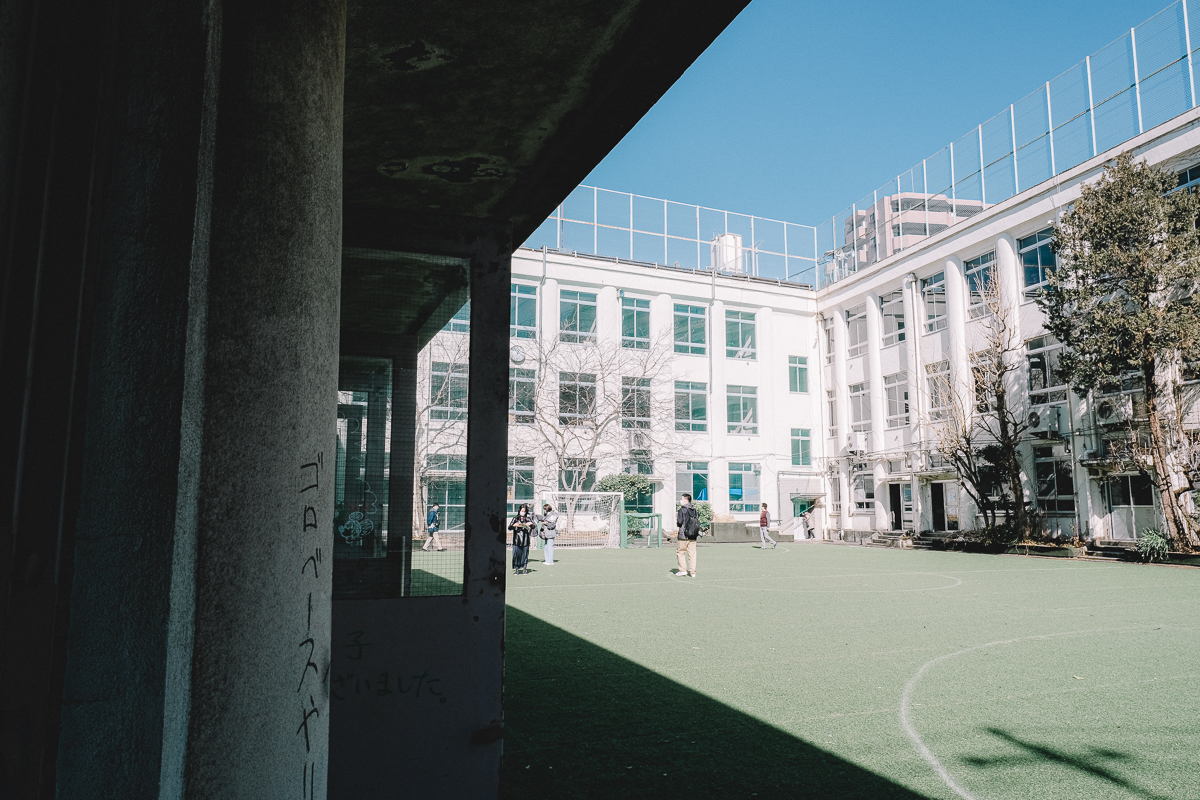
(1047, 422)
(1114, 409)
(639, 440)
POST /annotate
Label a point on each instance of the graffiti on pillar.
(356, 528)
(376, 681)
(309, 682)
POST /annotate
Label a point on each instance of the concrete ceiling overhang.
(461, 115)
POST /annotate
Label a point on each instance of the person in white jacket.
(547, 530)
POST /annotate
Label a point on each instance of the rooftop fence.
(1141, 80)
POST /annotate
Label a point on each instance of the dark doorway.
(896, 507)
(939, 506)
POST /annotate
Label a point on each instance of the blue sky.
(800, 108)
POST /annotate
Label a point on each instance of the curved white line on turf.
(910, 730)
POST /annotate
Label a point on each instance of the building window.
(522, 312)
(520, 483)
(828, 325)
(1046, 382)
(635, 323)
(576, 316)
(689, 329)
(981, 282)
(896, 388)
(798, 374)
(982, 374)
(1055, 482)
(892, 307)
(447, 486)
(691, 406)
(801, 447)
(862, 486)
(461, 321)
(522, 391)
(742, 405)
(739, 335)
(635, 403)
(691, 477)
(577, 475)
(576, 397)
(933, 292)
(639, 463)
(860, 406)
(831, 409)
(937, 379)
(743, 487)
(856, 330)
(448, 391)
(1037, 260)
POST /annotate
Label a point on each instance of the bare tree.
(441, 418)
(980, 423)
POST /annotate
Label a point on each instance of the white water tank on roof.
(727, 254)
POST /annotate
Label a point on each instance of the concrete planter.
(1184, 559)
(731, 532)
(1047, 550)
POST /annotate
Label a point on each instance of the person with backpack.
(764, 523)
(548, 529)
(687, 520)
(521, 527)
(432, 525)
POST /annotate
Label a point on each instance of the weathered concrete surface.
(200, 636)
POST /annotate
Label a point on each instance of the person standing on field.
(764, 522)
(432, 525)
(687, 520)
(548, 524)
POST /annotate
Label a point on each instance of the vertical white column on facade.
(916, 377)
(718, 473)
(842, 410)
(774, 436)
(1091, 104)
(1008, 273)
(875, 443)
(1012, 124)
(1050, 128)
(608, 335)
(545, 475)
(662, 407)
(982, 177)
(961, 382)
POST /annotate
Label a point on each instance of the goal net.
(587, 519)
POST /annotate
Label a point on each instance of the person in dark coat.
(522, 528)
(687, 521)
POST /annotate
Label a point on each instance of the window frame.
(520, 296)
(856, 331)
(860, 406)
(521, 465)
(690, 314)
(1052, 462)
(692, 468)
(518, 377)
(584, 405)
(801, 447)
(895, 387)
(798, 374)
(461, 321)
(745, 505)
(575, 334)
(888, 302)
(747, 398)
(688, 391)
(636, 392)
(634, 312)
(1049, 350)
(1037, 247)
(937, 383)
(831, 407)
(574, 465)
(737, 323)
(451, 373)
(979, 271)
(930, 287)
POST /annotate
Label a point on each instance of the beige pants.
(686, 547)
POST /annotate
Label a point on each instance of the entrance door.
(1130, 506)
(945, 506)
(901, 505)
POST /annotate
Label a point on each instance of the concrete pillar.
(956, 327)
(718, 474)
(878, 408)
(199, 637)
(916, 381)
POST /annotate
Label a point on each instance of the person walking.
(521, 527)
(802, 525)
(687, 520)
(432, 525)
(764, 522)
(547, 530)
(809, 533)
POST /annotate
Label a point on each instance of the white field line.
(910, 730)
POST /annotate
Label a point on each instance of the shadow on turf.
(1092, 763)
(583, 722)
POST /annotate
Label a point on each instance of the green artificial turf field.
(823, 671)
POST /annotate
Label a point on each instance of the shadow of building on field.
(1097, 762)
(583, 722)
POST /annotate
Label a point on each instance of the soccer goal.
(587, 519)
